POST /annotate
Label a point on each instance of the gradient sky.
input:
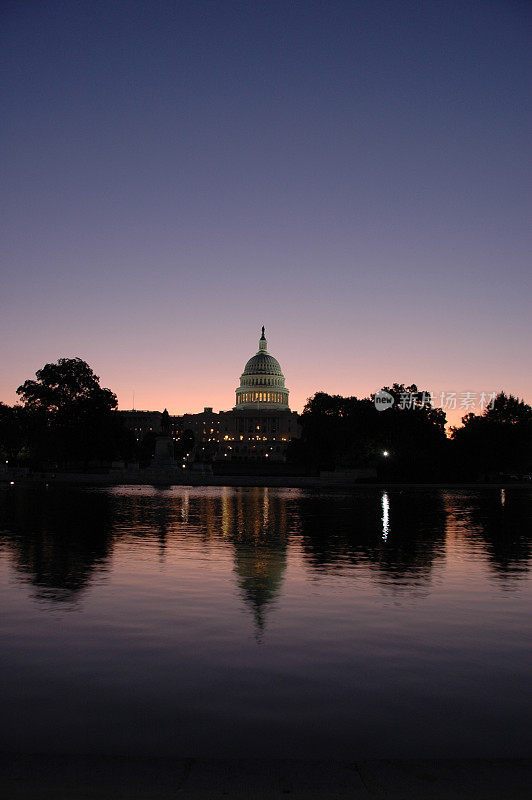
(353, 175)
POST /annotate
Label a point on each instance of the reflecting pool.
(261, 622)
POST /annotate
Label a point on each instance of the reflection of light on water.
(503, 497)
(185, 506)
(265, 507)
(226, 511)
(385, 515)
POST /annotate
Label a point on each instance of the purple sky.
(353, 175)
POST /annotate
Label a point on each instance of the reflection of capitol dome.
(260, 572)
(262, 382)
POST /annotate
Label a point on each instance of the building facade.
(259, 427)
(142, 422)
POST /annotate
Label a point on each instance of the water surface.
(261, 622)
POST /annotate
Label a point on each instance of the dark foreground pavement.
(87, 777)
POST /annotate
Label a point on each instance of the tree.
(11, 433)
(66, 390)
(348, 432)
(71, 416)
(497, 441)
(508, 410)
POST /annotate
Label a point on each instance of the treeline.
(65, 419)
(408, 440)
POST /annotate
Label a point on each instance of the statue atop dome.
(263, 344)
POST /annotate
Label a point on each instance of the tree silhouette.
(66, 390)
(497, 441)
(347, 432)
(71, 417)
(11, 433)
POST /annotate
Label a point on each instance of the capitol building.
(259, 426)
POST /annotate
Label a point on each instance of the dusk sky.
(352, 175)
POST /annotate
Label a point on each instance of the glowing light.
(385, 515)
(385, 453)
(503, 497)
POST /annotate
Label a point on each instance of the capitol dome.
(262, 382)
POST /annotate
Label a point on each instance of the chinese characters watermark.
(447, 401)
